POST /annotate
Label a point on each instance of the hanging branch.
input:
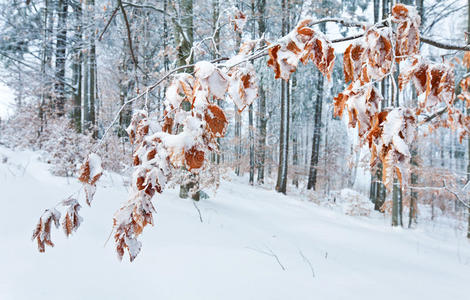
(128, 29)
(109, 22)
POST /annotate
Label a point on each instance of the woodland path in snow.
(251, 244)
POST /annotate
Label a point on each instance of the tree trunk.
(312, 175)
(281, 185)
(261, 4)
(60, 57)
(184, 39)
(395, 203)
(92, 72)
(77, 69)
(468, 139)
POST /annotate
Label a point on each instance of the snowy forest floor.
(252, 244)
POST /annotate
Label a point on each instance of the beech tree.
(193, 121)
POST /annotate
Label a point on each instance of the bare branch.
(444, 45)
(146, 6)
(308, 262)
(198, 210)
(434, 115)
(109, 22)
(270, 253)
(128, 33)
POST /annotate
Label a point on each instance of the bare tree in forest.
(281, 184)
(61, 46)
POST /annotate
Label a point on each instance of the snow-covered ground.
(252, 244)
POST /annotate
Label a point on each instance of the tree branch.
(109, 22)
(128, 33)
(146, 6)
(444, 45)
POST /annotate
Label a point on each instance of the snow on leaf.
(301, 44)
(129, 222)
(238, 19)
(179, 90)
(379, 52)
(42, 233)
(91, 170)
(211, 78)
(72, 220)
(408, 20)
(436, 81)
(392, 145)
(353, 61)
(243, 86)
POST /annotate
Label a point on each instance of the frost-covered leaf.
(91, 170)
(216, 120)
(301, 44)
(238, 19)
(72, 219)
(379, 52)
(211, 78)
(129, 222)
(353, 61)
(42, 233)
(407, 40)
(243, 86)
(179, 90)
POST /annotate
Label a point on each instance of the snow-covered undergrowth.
(251, 244)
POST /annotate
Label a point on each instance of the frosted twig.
(270, 253)
(308, 262)
(198, 211)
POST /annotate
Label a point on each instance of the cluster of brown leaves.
(388, 133)
(181, 139)
(90, 172)
(42, 233)
(389, 139)
(301, 44)
(129, 223)
(408, 20)
(72, 220)
(435, 81)
(238, 20)
(243, 86)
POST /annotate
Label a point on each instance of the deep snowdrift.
(247, 237)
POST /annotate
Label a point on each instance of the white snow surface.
(228, 256)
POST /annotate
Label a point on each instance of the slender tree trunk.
(468, 113)
(251, 128)
(184, 38)
(395, 203)
(92, 72)
(261, 5)
(281, 185)
(312, 175)
(61, 46)
(77, 69)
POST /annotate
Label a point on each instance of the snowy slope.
(228, 256)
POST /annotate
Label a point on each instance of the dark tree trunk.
(281, 185)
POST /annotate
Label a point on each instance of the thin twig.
(198, 211)
(308, 262)
(109, 22)
(128, 29)
(270, 253)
